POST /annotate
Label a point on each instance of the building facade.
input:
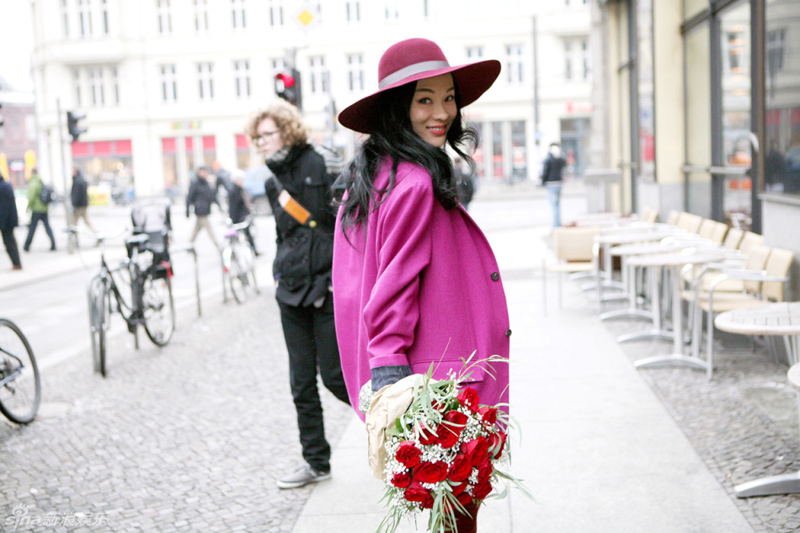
(701, 109)
(167, 85)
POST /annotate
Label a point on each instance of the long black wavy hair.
(393, 136)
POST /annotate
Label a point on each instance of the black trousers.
(11, 246)
(311, 341)
(35, 218)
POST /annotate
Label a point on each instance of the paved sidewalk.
(599, 451)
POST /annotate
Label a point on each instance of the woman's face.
(433, 109)
(268, 138)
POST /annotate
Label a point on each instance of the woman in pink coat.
(415, 281)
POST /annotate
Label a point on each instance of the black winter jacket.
(237, 204)
(201, 196)
(80, 191)
(8, 206)
(304, 257)
(553, 168)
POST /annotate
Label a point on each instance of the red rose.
(401, 480)
(476, 449)
(456, 419)
(485, 471)
(426, 436)
(416, 492)
(481, 490)
(428, 503)
(447, 436)
(489, 414)
(431, 472)
(408, 454)
(503, 438)
(464, 498)
(458, 489)
(461, 468)
(469, 399)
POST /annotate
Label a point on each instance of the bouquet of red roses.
(441, 453)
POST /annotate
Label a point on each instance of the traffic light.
(75, 130)
(287, 86)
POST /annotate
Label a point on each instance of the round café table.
(781, 319)
(674, 262)
(606, 241)
(781, 484)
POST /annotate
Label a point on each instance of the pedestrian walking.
(415, 280)
(80, 199)
(39, 210)
(300, 196)
(552, 176)
(239, 205)
(8, 221)
(201, 197)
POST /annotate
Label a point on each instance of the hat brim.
(472, 81)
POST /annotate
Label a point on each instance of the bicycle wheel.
(98, 322)
(237, 277)
(158, 309)
(20, 389)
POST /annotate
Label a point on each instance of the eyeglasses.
(264, 135)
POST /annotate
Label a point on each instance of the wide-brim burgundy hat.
(413, 60)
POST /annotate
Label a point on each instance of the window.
(430, 9)
(776, 50)
(276, 12)
(391, 9)
(85, 17)
(76, 85)
(205, 81)
(514, 64)
(239, 21)
(241, 77)
(164, 17)
(96, 86)
(200, 16)
(577, 59)
(352, 11)
(355, 72)
(104, 8)
(169, 85)
(474, 52)
(278, 65)
(115, 84)
(319, 77)
(735, 45)
(65, 17)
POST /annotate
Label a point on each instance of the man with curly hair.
(301, 200)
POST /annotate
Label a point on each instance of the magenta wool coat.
(422, 285)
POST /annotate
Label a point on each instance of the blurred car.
(253, 183)
(21, 199)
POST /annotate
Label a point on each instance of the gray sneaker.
(302, 477)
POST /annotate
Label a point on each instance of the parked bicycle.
(20, 386)
(146, 279)
(238, 262)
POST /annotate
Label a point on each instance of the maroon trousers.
(467, 523)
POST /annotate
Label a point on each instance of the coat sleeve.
(403, 233)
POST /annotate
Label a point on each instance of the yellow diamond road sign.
(305, 17)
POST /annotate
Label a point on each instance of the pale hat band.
(416, 68)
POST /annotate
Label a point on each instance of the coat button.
(308, 180)
(508, 333)
(495, 276)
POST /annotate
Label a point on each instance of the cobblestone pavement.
(743, 423)
(174, 439)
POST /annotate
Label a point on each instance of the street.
(191, 436)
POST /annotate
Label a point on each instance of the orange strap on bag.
(297, 211)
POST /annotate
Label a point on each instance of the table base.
(673, 359)
(648, 334)
(628, 312)
(768, 486)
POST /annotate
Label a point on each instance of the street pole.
(66, 199)
(536, 133)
